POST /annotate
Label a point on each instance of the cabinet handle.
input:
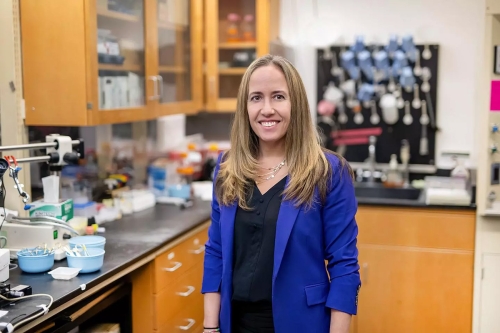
(199, 250)
(188, 292)
(188, 326)
(155, 82)
(160, 81)
(174, 268)
(365, 272)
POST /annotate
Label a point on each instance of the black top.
(253, 251)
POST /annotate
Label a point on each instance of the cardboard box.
(62, 210)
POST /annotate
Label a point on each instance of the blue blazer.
(304, 288)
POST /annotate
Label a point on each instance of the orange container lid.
(186, 171)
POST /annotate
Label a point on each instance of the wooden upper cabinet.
(237, 31)
(178, 60)
(94, 62)
(54, 62)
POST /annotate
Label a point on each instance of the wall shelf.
(172, 69)
(117, 15)
(171, 26)
(232, 71)
(125, 67)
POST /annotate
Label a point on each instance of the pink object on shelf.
(326, 108)
(248, 18)
(495, 96)
(233, 17)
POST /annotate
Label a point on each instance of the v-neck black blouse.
(253, 250)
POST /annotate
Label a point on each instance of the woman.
(281, 207)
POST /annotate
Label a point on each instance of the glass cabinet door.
(239, 35)
(120, 52)
(175, 51)
(237, 43)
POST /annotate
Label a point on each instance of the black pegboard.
(389, 141)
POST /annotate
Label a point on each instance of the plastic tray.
(65, 273)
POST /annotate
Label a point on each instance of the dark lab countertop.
(128, 240)
(408, 203)
(139, 235)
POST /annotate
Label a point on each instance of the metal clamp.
(13, 173)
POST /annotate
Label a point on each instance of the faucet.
(405, 160)
(371, 158)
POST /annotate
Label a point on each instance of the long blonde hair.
(308, 167)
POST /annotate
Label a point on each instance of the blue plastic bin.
(88, 264)
(35, 263)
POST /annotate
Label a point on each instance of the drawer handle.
(199, 250)
(173, 269)
(188, 326)
(188, 292)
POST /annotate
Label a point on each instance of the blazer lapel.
(228, 214)
(286, 220)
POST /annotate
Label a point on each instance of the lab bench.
(153, 268)
(133, 245)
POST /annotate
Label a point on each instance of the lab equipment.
(359, 44)
(447, 191)
(381, 60)
(23, 232)
(407, 80)
(347, 60)
(399, 62)
(365, 60)
(407, 43)
(392, 46)
(366, 92)
(4, 265)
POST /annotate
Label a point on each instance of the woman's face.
(268, 104)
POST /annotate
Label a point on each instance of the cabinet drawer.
(188, 320)
(424, 227)
(169, 266)
(184, 294)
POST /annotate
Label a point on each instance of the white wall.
(456, 25)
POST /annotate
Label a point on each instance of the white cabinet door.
(490, 295)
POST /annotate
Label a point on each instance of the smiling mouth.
(269, 123)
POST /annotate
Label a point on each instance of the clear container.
(248, 28)
(232, 30)
(445, 183)
(88, 209)
(175, 160)
(184, 188)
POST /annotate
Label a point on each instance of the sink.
(378, 191)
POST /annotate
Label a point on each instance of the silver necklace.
(270, 175)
